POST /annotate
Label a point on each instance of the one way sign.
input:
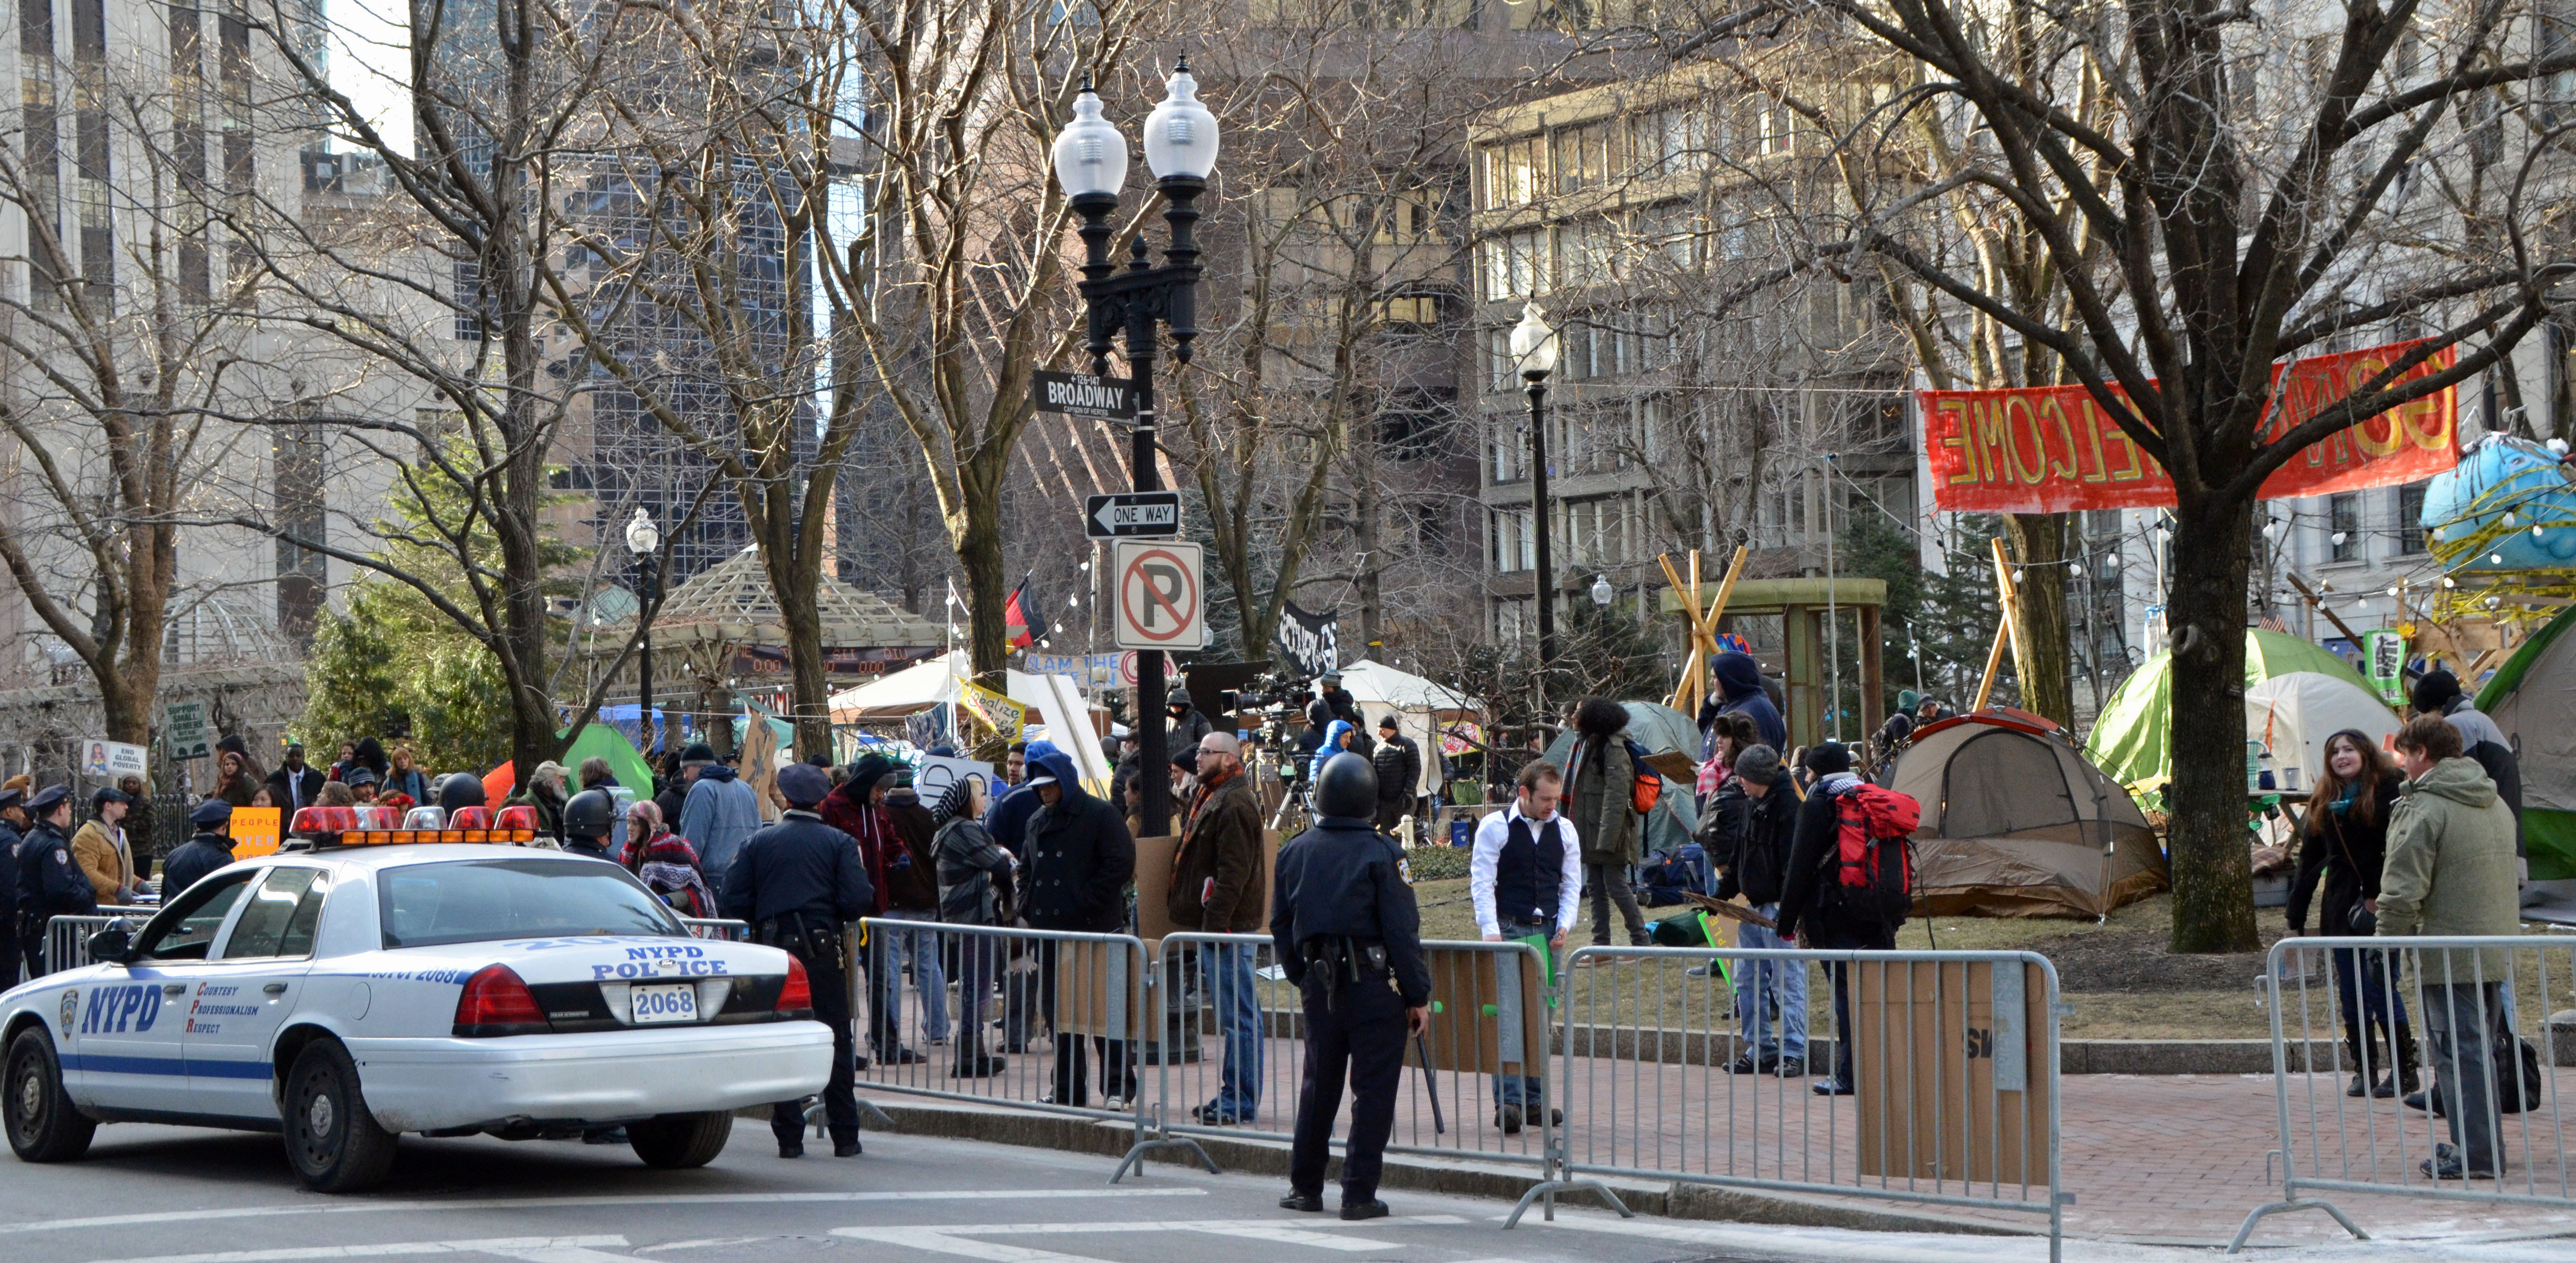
(1133, 515)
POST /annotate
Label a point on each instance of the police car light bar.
(320, 827)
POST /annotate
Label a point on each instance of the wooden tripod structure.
(1693, 688)
(2007, 595)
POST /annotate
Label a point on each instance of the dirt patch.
(2136, 962)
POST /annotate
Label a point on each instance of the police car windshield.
(470, 901)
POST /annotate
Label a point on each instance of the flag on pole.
(1017, 632)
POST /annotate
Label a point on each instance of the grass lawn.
(2116, 973)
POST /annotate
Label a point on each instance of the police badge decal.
(71, 1009)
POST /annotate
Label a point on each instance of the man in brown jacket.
(1217, 879)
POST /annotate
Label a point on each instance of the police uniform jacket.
(8, 880)
(49, 883)
(1344, 879)
(187, 865)
(799, 864)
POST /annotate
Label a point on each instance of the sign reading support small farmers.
(2052, 449)
(183, 727)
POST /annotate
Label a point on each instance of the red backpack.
(1873, 862)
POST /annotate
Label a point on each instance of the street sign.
(1083, 396)
(183, 727)
(1132, 515)
(110, 760)
(1161, 599)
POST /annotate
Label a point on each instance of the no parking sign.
(1161, 597)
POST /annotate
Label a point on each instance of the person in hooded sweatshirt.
(1739, 685)
(1080, 859)
(1339, 737)
(1008, 818)
(719, 813)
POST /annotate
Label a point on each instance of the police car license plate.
(675, 1002)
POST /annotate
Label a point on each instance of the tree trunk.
(2040, 645)
(2213, 878)
(810, 691)
(979, 552)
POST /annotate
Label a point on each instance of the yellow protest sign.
(255, 831)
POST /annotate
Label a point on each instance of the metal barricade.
(67, 939)
(1230, 1050)
(1952, 1058)
(1084, 999)
(2443, 1021)
(719, 928)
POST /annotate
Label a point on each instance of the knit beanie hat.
(1759, 764)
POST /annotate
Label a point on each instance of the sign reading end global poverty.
(2052, 449)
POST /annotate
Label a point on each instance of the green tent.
(2533, 698)
(604, 741)
(2133, 737)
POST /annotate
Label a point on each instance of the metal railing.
(1949, 1065)
(67, 939)
(1236, 1029)
(1086, 998)
(2463, 1093)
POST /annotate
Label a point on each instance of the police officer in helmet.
(797, 882)
(589, 817)
(1349, 936)
(49, 884)
(205, 850)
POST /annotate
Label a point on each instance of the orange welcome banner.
(2051, 449)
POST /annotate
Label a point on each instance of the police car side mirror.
(115, 943)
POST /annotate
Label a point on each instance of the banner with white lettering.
(1308, 643)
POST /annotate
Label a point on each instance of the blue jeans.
(1525, 1089)
(1225, 975)
(929, 977)
(2367, 987)
(1770, 995)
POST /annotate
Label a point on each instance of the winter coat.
(2348, 853)
(96, 850)
(2482, 740)
(847, 809)
(912, 873)
(1601, 807)
(1399, 769)
(1080, 858)
(1219, 870)
(1186, 731)
(186, 866)
(1750, 840)
(719, 814)
(974, 874)
(2451, 870)
(1008, 818)
(414, 782)
(1739, 683)
(1829, 922)
(1332, 745)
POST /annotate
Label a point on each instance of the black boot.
(2360, 1085)
(2408, 1079)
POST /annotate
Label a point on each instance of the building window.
(1582, 157)
(1513, 171)
(2410, 519)
(2343, 524)
(1516, 264)
(41, 144)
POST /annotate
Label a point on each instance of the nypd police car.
(353, 990)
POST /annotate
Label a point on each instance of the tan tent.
(2017, 824)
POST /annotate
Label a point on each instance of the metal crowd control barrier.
(1953, 1059)
(2461, 1020)
(1086, 998)
(67, 938)
(719, 928)
(1230, 1050)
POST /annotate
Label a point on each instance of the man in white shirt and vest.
(1526, 874)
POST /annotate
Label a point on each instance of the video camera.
(1270, 692)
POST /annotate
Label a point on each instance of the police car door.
(127, 1024)
(247, 990)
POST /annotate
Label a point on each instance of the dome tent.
(2294, 712)
(2533, 699)
(2133, 738)
(2017, 824)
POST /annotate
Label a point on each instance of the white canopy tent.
(2294, 712)
(1419, 706)
(1052, 701)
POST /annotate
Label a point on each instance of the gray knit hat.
(1759, 764)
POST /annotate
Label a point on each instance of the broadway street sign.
(1084, 396)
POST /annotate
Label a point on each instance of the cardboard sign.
(1155, 858)
(1488, 1011)
(936, 772)
(2052, 449)
(255, 831)
(1960, 1091)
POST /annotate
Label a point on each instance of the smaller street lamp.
(644, 540)
(1601, 593)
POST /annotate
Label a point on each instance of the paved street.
(169, 1195)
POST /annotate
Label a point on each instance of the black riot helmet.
(1346, 787)
(460, 789)
(590, 815)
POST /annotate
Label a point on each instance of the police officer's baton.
(1431, 1084)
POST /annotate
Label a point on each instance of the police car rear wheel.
(331, 1137)
(676, 1142)
(43, 1124)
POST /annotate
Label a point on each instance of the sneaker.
(1213, 1115)
(1114, 1104)
(1509, 1119)
(1830, 1086)
(1745, 1064)
(2447, 1164)
(1696, 971)
(1789, 1068)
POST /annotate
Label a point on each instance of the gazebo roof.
(731, 603)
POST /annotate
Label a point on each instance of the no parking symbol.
(1160, 595)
